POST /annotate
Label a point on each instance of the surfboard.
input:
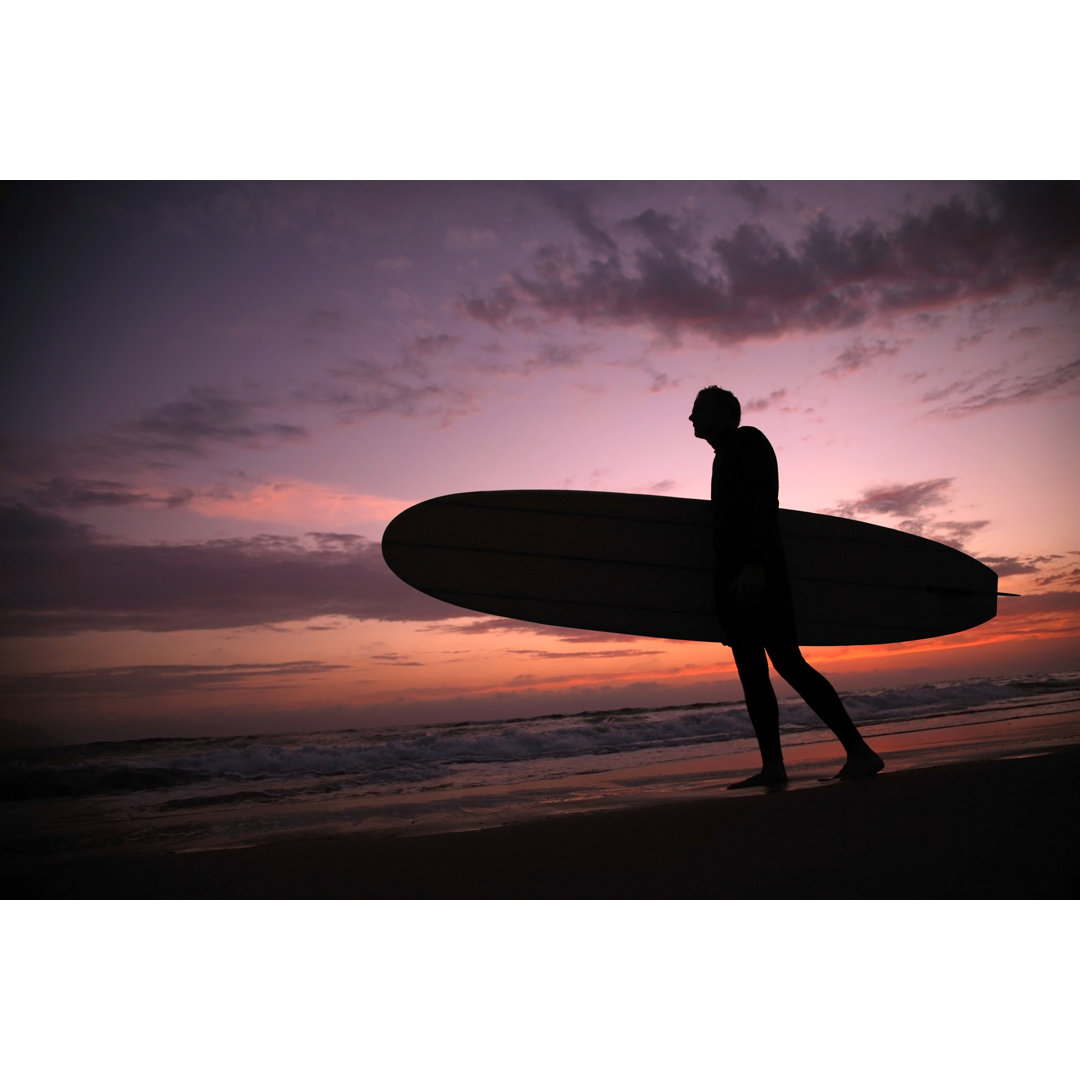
(643, 565)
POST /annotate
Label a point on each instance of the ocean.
(192, 794)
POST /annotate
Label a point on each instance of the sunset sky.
(217, 395)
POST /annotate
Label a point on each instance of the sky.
(216, 395)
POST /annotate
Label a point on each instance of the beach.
(996, 816)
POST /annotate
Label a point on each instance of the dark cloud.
(71, 473)
(547, 356)
(969, 341)
(554, 356)
(1012, 566)
(497, 309)
(563, 633)
(659, 381)
(751, 285)
(331, 321)
(470, 238)
(996, 388)
(1060, 602)
(154, 679)
(762, 403)
(753, 192)
(954, 533)
(427, 346)
(898, 500)
(57, 577)
(860, 354)
(202, 418)
(573, 203)
(915, 509)
(400, 386)
(666, 233)
(1027, 333)
(1068, 575)
(362, 387)
(74, 493)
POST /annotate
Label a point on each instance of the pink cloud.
(292, 500)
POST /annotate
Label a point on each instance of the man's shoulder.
(753, 445)
(751, 435)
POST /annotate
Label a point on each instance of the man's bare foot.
(860, 764)
(772, 776)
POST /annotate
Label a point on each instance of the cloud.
(395, 264)
(283, 499)
(76, 493)
(976, 337)
(762, 403)
(748, 284)
(753, 192)
(402, 302)
(429, 346)
(1012, 566)
(203, 417)
(331, 321)
(498, 625)
(288, 500)
(898, 500)
(71, 473)
(323, 216)
(954, 533)
(659, 381)
(552, 356)
(460, 238)
(860, 354)
(585, 654)
(426, 378)
(666, 233)
(1027, 333)
(979, 393)
(1061, 602)
(361, 387)
(573, 204)
(914, 507)
(153, 679)
(58, 577)
(547, 356)
(1068, 575)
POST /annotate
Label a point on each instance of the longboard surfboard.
(643, 565)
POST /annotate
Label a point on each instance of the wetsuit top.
(745, 501)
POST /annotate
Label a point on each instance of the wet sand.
(1005, 828)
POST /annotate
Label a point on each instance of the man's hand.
(749, 586)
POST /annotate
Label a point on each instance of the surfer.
(753, 590)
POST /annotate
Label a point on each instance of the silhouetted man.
(753, 591)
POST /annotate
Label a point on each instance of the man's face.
(709, 421)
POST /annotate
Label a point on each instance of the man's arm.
(756, 491)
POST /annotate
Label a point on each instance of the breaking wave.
(422, 754)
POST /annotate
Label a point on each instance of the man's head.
(715, 411)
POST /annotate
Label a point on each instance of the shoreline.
(1003, 828)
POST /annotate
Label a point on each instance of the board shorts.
(772, 620)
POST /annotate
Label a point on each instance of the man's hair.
(723, 400)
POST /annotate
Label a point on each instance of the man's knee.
(789, 661)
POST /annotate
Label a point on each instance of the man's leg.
(821, 696)
(753, 667)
